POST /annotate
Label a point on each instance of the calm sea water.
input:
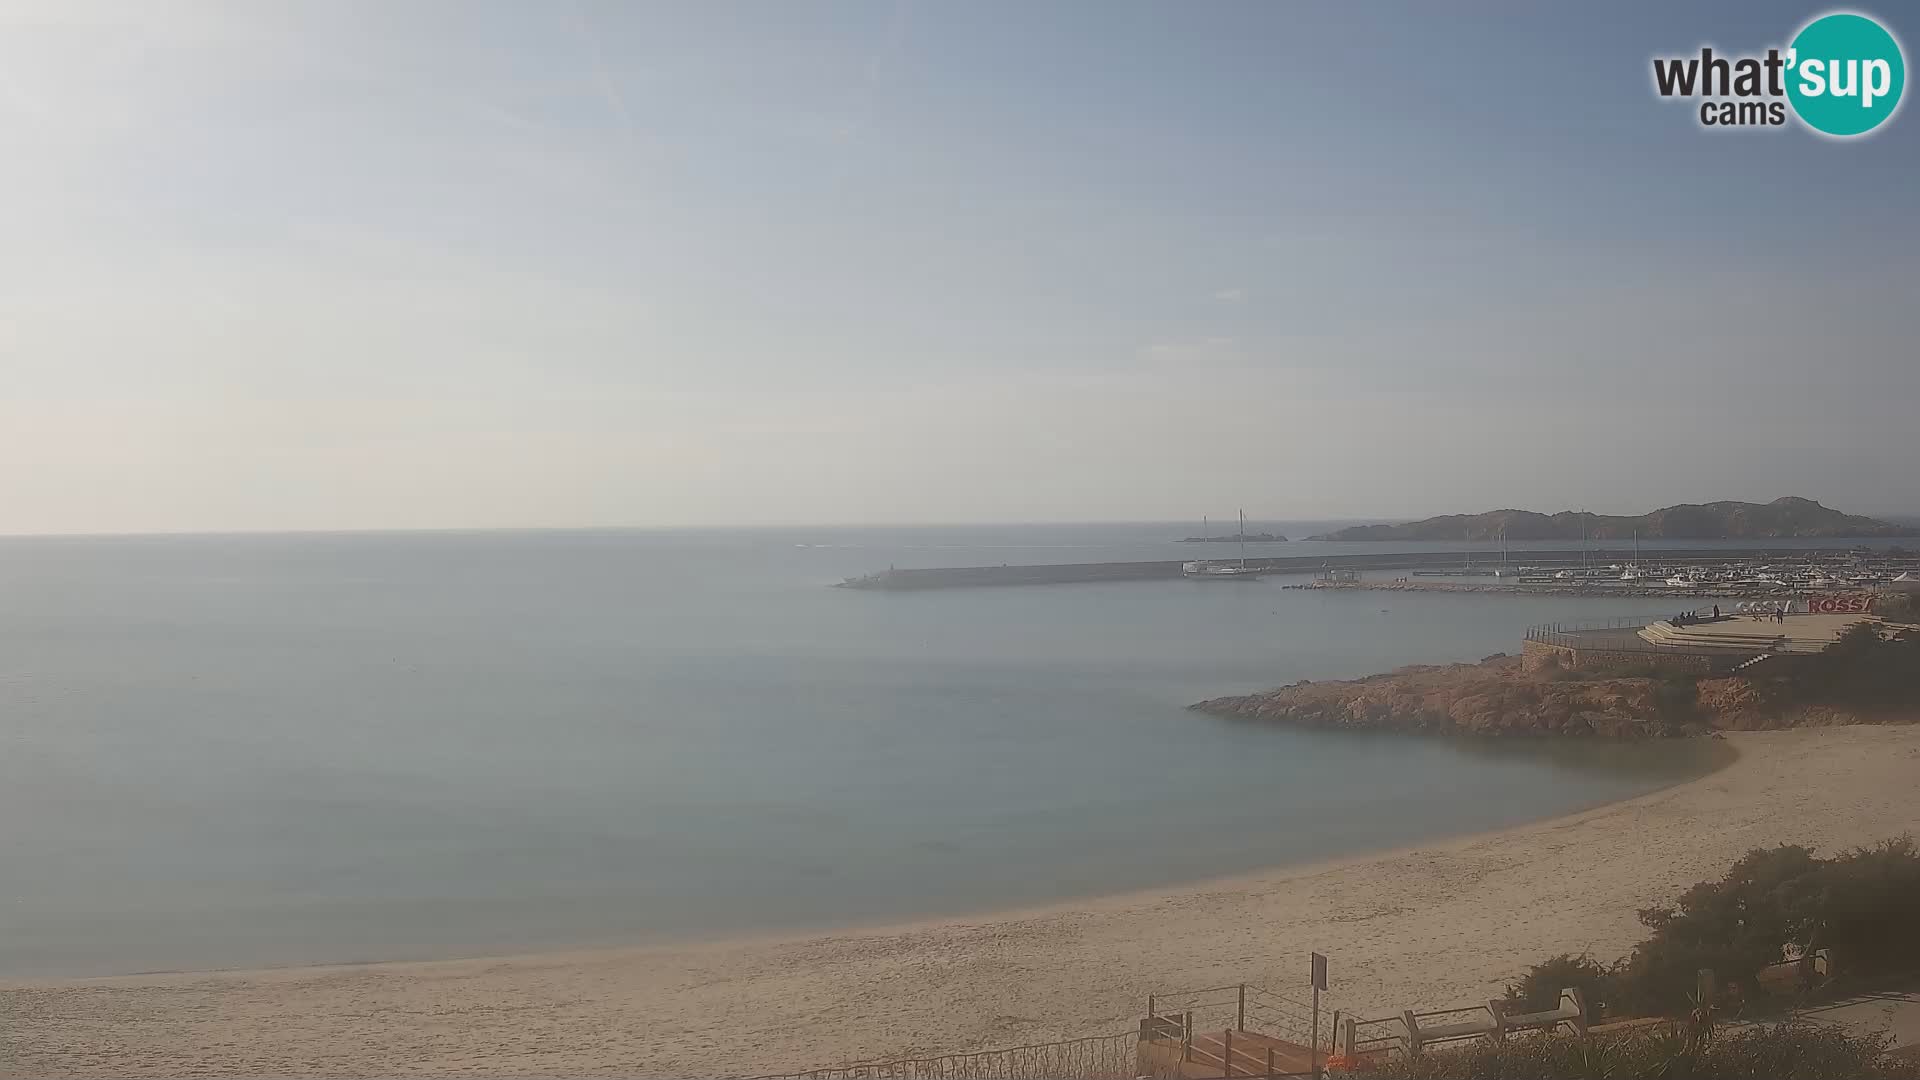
(236, 751)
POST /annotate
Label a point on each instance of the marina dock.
(1434, 562)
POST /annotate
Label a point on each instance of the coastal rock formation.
(1492, 698)
(1786, 517)
(1495, 697)
(1741, 704)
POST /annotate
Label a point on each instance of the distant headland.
(1788, 517)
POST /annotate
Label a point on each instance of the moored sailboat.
(1206, 568)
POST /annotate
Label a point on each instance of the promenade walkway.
(1796, 634)
(1895, 1012)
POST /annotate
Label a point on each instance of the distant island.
(1788, 517)
(1236, 538)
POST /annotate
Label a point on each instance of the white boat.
(1210, 570)
(1632, 571)
(1202, 568)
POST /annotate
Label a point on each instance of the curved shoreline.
(909, 923)
(1431, 924)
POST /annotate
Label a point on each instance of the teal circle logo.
(1845, 73)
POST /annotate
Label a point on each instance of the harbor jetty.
(1536, 561)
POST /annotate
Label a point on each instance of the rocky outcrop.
(1737, 704)
(1491, 698)
(1868, 677)
(1741, 704)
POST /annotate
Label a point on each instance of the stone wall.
(1539, 656)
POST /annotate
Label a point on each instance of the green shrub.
(1736, 926)
(1539, 989)
(1870, 910)
(1865, 668)
(1770, 1052)
(1859, 904)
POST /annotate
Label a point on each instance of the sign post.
(1319, 984)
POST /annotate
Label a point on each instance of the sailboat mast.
(1243, 539)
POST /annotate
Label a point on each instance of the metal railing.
(1239, 1007)
(1578, 634)
(1465, 1018)
(1412, 1032)
(1388, 1036)
(1232, 1030)
(1384, 1036)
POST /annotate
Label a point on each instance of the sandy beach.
(1436, 925)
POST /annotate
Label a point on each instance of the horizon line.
(1900, 517)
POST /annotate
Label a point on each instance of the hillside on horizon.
(1788, 517)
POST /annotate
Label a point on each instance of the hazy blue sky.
(334, 265)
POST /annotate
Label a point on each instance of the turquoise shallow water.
(242, 751)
